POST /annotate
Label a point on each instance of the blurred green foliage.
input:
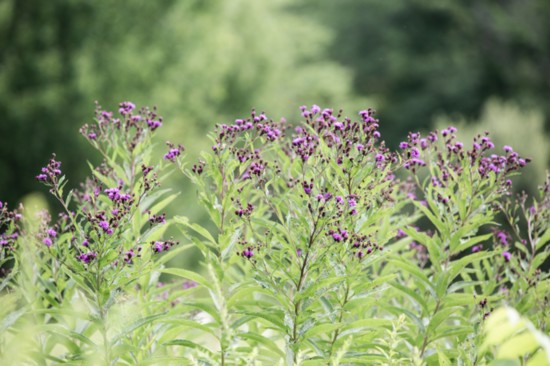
(200, 62)
(206, 62)
(420, 58)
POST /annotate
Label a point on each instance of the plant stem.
(426, 335)
(340, 317)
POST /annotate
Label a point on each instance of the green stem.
(340, 317)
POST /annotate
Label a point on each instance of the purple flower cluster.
(304, 144)
(158, 219)
(350, 140)
(307, 186)
(88, 257)
(363, 246)
(199, 167)
(125, 108)
(173, 152)
(117, 196)
(338, 235)
(162, 246)
(502, 237)
(50, 172)
(133, 124)
(499, 164)
(49, 237)
(129, 255)
(260, 124)
(9, 227)
(244, 211)
(248, 253)
(411, 150)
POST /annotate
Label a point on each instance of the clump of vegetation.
(324, 247)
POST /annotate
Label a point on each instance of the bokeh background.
(479, 65)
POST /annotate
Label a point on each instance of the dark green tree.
(421, 58)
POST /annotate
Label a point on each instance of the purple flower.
(92, 135)
(126, 108)
(112, 193)
(172, 154)
(344, 234)
(400, 234)
(47, 241)
(106, 227)
(158, 246)
(379, 158)
(154, 124)
(403, 145)
(360, 147)
(507, 256)
(502, 237)
(51, 233)
(315, 109)
(87, 257)
(248, 253)
(477, 248)
(52, 170)
(508, 149)
(307, 187)
(337, 237)
(339, 126)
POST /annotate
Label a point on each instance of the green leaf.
(413, 295)
(413, 270)
(268, 343)
(173, 252)
(439, 317)
(321, 328)
(188, 344)
(189, 275)
(456, 267)
(197, 228)
(518, 345)
(466, 244)
(276, 319)
(543, 240)
(137, 324)
(434, 220)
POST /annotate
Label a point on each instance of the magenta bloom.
(87, 257)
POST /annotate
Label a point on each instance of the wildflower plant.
(323, 247)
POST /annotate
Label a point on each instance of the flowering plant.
(323, 247)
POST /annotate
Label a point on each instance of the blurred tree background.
(420, 63)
